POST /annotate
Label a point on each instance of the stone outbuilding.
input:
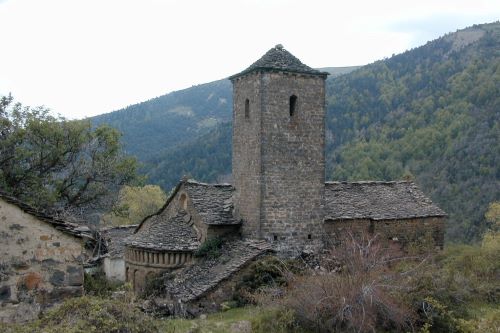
(41, 260)
(397, 211)
(113, 262)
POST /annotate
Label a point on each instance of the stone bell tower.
(278, 151)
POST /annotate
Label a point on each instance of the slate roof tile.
(377, 200)
(205, 275)
(115, 238)
(280, 59)
(214, 202)
(166, 234)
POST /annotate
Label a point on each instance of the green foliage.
(99, 285)
(155, 285)
(210, 249)
(431, 112)
(134, 204)
(56, 163)
(91, 314)
(207, 158)
(151, 127)
(277, 320)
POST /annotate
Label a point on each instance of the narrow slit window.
(183, 201)
(293, 105)
(247, 108)
(309, 236)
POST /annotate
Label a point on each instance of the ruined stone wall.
(246, 160)
(293, 162)
(39, 265)
(417, 234)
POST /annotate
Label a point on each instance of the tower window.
(309, 236)
(247, 108)
(293, 105)
(275, 237)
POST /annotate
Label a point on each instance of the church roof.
(166, 234)
(280, 59)
(203, 276)
(377, 200)
(214, 202)
(73, 229)
(115, 238)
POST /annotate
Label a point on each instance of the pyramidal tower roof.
(280, 59)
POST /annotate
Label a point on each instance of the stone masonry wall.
(412, 234)
(278, 160)
(293, 162)
(39, 265)
(246, 161)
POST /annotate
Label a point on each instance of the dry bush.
(364, 295)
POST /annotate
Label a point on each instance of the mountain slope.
(431, 113)
(163, 122)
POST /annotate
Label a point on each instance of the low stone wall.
(39, 265)
(420, 234)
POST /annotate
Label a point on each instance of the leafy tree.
(135, 203)
(57, 164)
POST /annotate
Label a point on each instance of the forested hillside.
(431, 113)
(166, 121)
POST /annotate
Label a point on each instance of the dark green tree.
(58, 164)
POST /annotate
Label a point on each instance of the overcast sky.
(86, 57)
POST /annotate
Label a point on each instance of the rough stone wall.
(418, 234)
(246, 160)
(39, 265)
(278, 159)
(293, 160)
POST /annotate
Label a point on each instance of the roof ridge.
(278, 58)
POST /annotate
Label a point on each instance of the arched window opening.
(247, 108)
(293, 105)
(183, 201)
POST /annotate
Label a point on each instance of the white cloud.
(83, 58)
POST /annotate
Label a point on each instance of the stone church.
(279, 201)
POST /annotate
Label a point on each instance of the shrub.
(210, 249)
(98, 285)
(264, 273)
(90, 314)
(363, 297)
(276, 320)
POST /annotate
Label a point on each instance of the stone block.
(5, 293)
(57, 278)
